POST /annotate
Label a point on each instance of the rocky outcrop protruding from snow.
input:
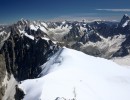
(124, 21)
(24, 55)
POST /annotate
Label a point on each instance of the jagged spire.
(124, 21)
(125, 17)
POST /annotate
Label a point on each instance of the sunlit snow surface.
(73, 74)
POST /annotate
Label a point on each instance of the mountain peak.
(22, 21)
(125, 16)
(124, 21)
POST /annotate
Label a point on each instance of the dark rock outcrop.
(22, 56)
(2, 75)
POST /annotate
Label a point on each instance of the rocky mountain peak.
(124, 21)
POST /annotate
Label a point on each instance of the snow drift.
(73, 75)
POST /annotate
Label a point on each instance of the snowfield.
(73, 75)
(125, 61)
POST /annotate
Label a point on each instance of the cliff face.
(2, 75)
(22, 56)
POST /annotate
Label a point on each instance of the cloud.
(115, 10)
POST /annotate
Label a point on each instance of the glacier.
(73, 75)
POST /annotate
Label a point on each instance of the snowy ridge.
(47, 67)
(35, 26)
(5, 36)
(74, 75)
(25, 34)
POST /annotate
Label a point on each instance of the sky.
(13, 10)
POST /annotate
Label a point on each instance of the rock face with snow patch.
(23, 51)
(100, 38)
(108, 39)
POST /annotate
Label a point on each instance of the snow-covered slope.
(38, 25)
(122, 60)
(73, 75)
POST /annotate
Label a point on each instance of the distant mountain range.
(26, 45)
(99, 38)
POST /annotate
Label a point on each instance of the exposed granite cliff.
(22, 56)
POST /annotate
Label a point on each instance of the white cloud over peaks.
(115, 10)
